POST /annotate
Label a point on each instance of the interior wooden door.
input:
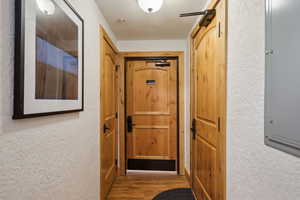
(108, 119)
(207, 110)
(151, 114)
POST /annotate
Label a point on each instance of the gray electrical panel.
(282, 101)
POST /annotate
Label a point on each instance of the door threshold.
(150, 173)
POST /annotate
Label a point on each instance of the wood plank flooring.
(141, 185)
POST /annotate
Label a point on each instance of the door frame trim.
(122, 106)
(104, 37)
(223, 113)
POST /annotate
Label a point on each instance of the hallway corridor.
(149, 100)
(141, 185)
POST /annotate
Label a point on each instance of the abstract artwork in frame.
(49, 59)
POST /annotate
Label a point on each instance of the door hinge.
(219, 29)
(117, 67)
(219, 124)
(117, 115)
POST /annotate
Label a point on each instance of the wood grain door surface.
(206, 111)
(108, 119)
(152, 104)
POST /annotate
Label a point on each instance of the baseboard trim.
(188, 176)
(119, 172)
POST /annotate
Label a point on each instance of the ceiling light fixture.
(46, 6)
(150, 6)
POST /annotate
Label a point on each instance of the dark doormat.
(176, 194)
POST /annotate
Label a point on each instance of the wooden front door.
(207, 110)
(108, 118)
(151, 114)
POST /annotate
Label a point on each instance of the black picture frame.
(18, 108)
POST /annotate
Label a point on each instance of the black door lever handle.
(105, 128)
(129, 124)
(193, 128)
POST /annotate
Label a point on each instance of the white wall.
(187, 163)
(152, 45)
(255, 170)
(50, 157)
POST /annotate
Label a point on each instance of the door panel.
(151, 97)
(207, 109)
(205, 116)
(152, 104)
(150, 142)
(205, 169)
(206, 90)
(206, 76)
(108, 119)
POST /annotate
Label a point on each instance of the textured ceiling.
(164, 24)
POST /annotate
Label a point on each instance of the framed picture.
(49, 59)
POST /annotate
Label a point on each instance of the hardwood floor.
(141, 185)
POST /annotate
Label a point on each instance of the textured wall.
(54, 157)
(187, 161)
(152, 45)
(187, 152)
(255, 170)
